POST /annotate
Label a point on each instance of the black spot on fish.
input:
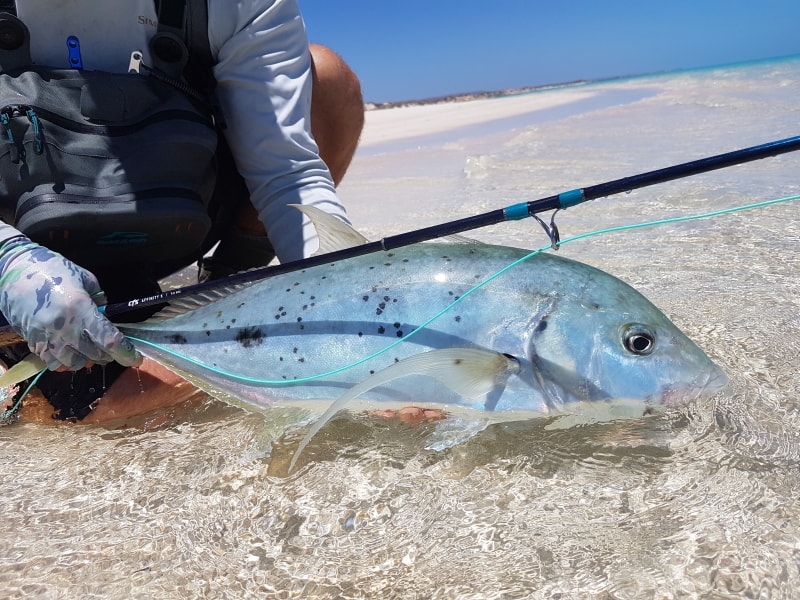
(374, 289)
(280, 359)
(458, 318)
(283, 313)
(400, 333)
(250, 336)
(405, 260)
(299, 319)
(390, 254)
(371, 372)
(387, 264)
(396, 324)
(457, 361)
(301, 359)
(233, 321)
(176, 338)
(382, 305)
(205, 325)
(378, 311)
(371, 267)
(386, 298)
(365, 297)
(240, 305)
(541, 326)
(381, 329)
(312, 297)
(208, 333)
(295, 350)
(360, 334)
(305, 306)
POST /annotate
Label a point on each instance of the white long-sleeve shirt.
(263, 73)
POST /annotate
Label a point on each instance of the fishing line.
(9, 414)
(580, 236)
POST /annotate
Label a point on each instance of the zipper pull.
(136, 61)
(38, 141)
(5, 126)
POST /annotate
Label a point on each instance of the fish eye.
(639, 340)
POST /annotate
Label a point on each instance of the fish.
(472, 328)
(459, 324)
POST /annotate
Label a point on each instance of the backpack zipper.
(34, 116)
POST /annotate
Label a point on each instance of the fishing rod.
(513, 212)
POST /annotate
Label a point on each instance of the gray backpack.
(109, 168)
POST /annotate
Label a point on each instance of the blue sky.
(412, 49)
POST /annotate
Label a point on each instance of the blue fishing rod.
(513, 212)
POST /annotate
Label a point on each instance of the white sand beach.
(392, 124)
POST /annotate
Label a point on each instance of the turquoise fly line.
(581, 236)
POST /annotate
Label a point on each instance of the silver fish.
(421, 325)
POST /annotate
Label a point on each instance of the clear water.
(701, 502)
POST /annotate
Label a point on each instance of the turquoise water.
(701, 502)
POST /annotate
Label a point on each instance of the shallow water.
(699, 502)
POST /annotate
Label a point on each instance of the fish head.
(600, 339)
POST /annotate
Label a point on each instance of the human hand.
(53, 304)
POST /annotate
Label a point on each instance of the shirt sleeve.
(263, 75)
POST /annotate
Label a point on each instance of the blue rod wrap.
(571, 198)
(516, 212)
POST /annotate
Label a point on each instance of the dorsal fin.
(334, 234)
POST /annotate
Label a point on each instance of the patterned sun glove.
(52, 303)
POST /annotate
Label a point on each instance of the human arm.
(53, 304)
(263, 75)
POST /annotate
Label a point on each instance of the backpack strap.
(187, 21)
(198, 71)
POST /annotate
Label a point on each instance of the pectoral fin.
(470, 372)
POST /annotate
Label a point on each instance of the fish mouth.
(715, 382)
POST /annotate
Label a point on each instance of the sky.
(416, 49)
